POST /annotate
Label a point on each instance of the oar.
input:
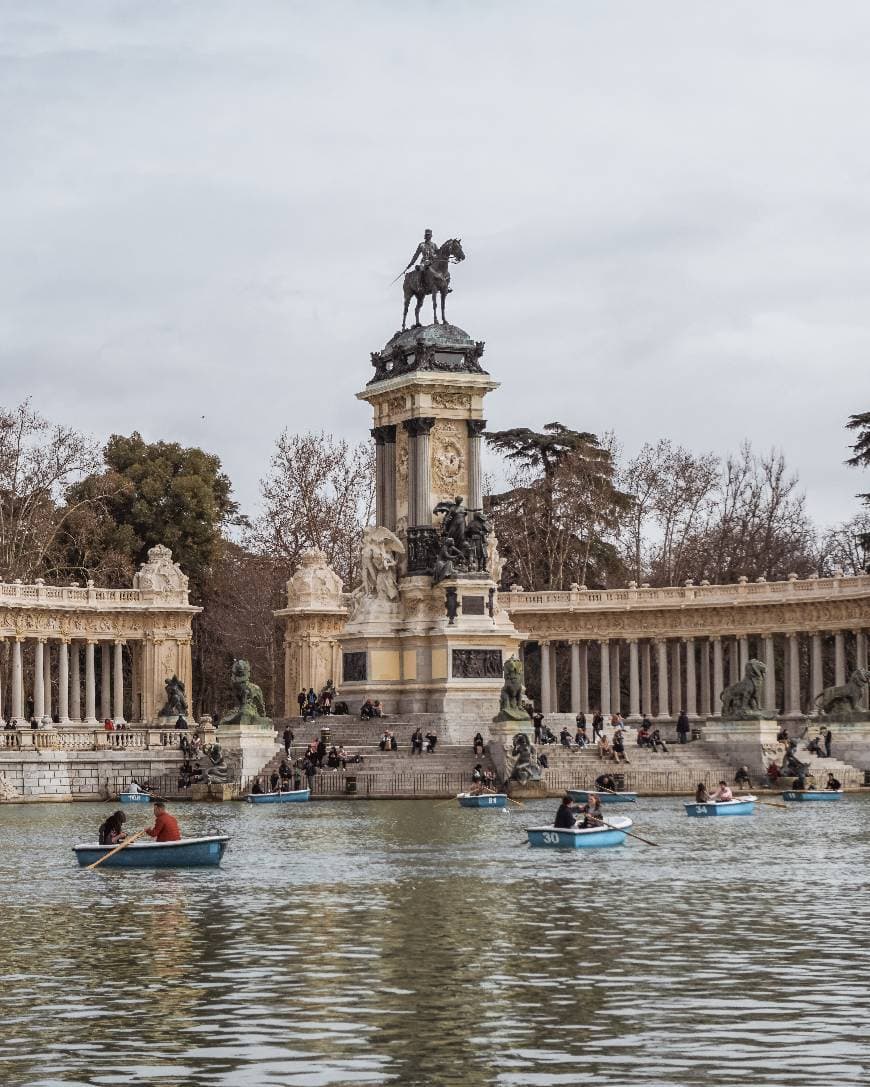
(771, 804)
(117, 849)
(613, 792)
(646, 841)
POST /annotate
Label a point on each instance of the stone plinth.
(745, 743)
(247, 748)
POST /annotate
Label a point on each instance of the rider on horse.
(427, 251)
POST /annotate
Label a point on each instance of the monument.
(425, 630)
(245, 734)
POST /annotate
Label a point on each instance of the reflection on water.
(417, 943)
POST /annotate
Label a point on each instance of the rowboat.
(482, 800)
(134, 798)
(185, 853)
(582, 796)
(740, 805)
(581, 837)
(813, 794)
(290, 796)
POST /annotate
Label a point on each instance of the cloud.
(664, 209)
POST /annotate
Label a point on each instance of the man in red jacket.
(165, 827)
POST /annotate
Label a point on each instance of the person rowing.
(832, 784)
(722, 794)
(165, 827)
(592, 812)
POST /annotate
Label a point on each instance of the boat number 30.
(550, 838)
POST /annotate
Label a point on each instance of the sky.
(664, 208)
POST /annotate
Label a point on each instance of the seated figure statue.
(176, 699)
(526, 766)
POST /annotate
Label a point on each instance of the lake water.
(417, 943)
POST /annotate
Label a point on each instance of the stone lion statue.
(740, 701)
(176, 699)
(511, 706)
(250, 705)
(845, 699)
(526, 766)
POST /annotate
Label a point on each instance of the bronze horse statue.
(421, 281)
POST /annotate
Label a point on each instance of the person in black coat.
(683, 726)
(565, 817)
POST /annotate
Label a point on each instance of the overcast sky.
(664, 206)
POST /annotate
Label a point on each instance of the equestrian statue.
(430, 276)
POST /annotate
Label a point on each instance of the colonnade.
(71, 708)
(690, 673)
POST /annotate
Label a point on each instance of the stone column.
(38, 679)
(90, 686)
(554, 678)
(705, 678)
(633, 681)
(718, 676)
(662, 646)
(389, 478)
(604, 646)
(584, 677)
(691, 683)
(769, 675)
(575, 678)
(817, 680)
(646, 676)
(118, 684)
(839, 658)
(545, 678)
(743, 653)
(476, 427)
(676, 679)
(861, 662)
(46, 684)
(615, 677)
(75, 684)
(380, 476)
(733, 661)
(17, 684)
(793, 704)
(105, 681)
(63, 682)
(418, 469)
(411, 430)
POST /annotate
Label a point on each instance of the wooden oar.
(646, 841)
(117, 849)
(771, 804)
(613, 792)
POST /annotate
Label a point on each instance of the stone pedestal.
(247, 748)
(746, 743)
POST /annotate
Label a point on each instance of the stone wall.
(78, 775)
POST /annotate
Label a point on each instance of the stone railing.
(755, 592)
(17, 593)
(97, 739)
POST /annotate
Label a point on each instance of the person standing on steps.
(683, 727)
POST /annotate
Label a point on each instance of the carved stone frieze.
(448, 456)
(453, 399)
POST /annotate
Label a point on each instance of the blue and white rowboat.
(482, 800)
(291, 796)
(813, 794)
(581, 837)
(582, 796)
(740, 805)
(134, 798)
(185, 853)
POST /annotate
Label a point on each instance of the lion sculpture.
(510, 704)
(844, 700)
(740, 701)
(250, 707)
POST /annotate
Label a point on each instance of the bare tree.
(673, 490)
(38, 462)
(845, 546)
(319, 493)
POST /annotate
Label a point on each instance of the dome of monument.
(439, 336)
